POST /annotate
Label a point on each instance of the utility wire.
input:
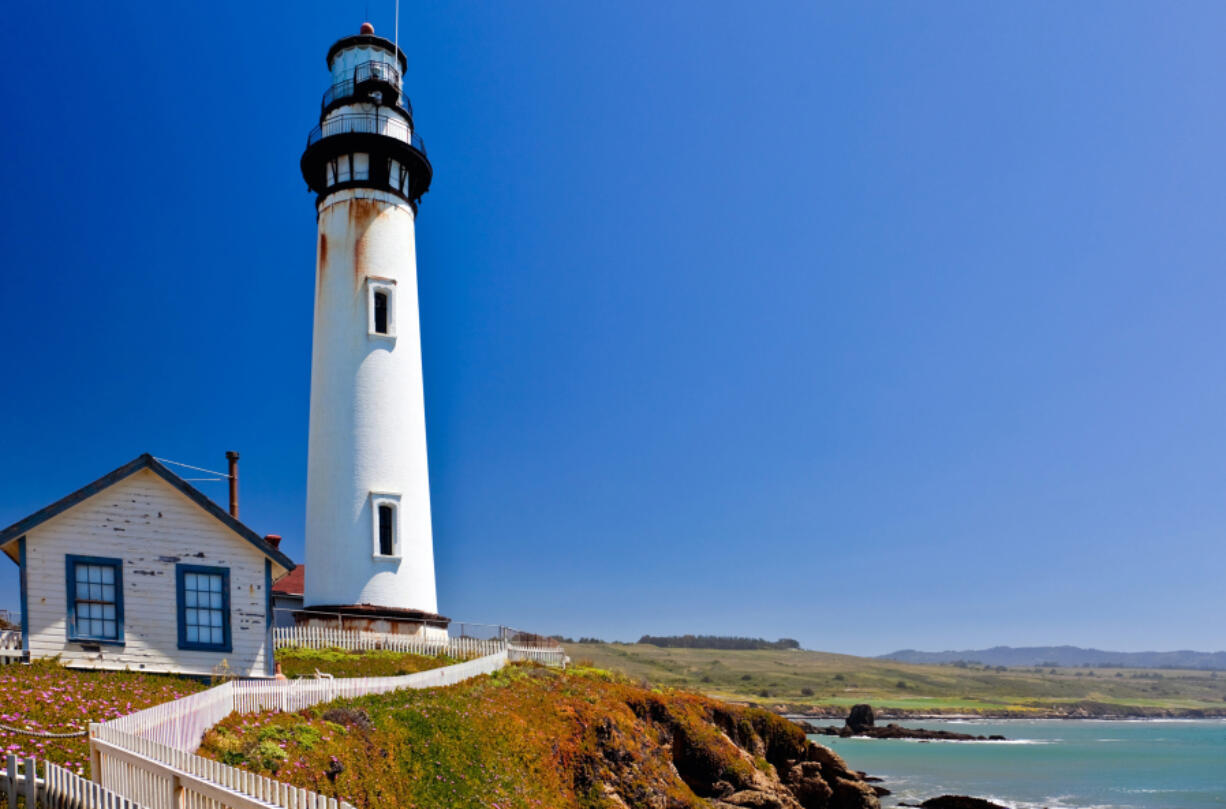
(197, 468)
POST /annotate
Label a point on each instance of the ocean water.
(1055, 763)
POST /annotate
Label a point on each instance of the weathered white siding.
(151, 526)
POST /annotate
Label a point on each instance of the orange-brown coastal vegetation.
(534, 737)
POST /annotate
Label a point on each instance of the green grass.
(298, 662)
(818, 680)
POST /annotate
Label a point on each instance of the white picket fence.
(180, 724)
(315, 637)
(57, 789)
(545, 655)
(149, 756)
(10, 646)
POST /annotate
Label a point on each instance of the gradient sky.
(872, 325)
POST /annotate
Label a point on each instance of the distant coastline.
(1065, 657)
(1080, 711)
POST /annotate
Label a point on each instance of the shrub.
(806, 691)
(268, 755)
(351, 717)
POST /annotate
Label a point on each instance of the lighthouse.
(369, 542)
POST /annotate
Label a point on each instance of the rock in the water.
(893, 731)
(861, 718)
(959, 802)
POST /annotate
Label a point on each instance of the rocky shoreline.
(862, 722)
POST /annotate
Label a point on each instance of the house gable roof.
(145, 461)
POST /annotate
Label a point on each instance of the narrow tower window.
(384, 525)
(387, 517)
(381, 306)
(380, 312)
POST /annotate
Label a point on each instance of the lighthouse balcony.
(377, 150)
(373, 80)
(367, 123)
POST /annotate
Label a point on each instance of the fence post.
(95, 760)
(10, 779)
(31, 790)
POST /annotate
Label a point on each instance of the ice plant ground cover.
(522, 738)
(45, 696)
(302, 662)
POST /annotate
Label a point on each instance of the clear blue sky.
(872, 325)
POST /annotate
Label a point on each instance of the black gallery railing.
(392, 126)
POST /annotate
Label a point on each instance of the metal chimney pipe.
(232, 457)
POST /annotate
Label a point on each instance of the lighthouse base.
(369, 618)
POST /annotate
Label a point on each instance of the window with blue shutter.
(204, 607)
(95, 599)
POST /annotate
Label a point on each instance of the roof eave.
(146, 461)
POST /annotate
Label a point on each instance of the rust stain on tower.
(362, 214)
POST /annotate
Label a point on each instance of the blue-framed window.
(95, 599)
(204, 607)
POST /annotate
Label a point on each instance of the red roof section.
(292, 583)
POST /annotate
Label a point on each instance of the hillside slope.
(533, 738)
(829, 683)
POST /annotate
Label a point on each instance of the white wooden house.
(140, 570)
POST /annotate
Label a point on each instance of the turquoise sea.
(1061, 764)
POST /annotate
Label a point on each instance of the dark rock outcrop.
(860, 722)
(893, 731)
(861, 718)
(959, 802)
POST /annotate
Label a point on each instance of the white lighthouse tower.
(369, 545)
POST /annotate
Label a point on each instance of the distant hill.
(1065, 656)
(829, 684)
(716, 642)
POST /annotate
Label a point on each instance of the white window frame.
(385, 499)
(388, 287)
(360, 168)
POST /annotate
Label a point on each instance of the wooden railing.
(57, 788)
(180, 724)
(161, 777)
(149, 756)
